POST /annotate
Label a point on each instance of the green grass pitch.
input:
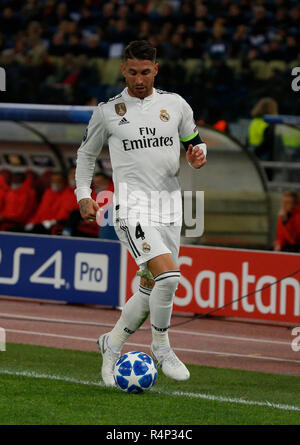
(49, 386)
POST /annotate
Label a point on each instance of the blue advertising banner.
(57, 268)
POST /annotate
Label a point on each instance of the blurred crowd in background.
(46, 204)
(218, 54)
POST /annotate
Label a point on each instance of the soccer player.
(143, 127)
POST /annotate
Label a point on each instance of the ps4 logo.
(296, 81)
(2, 79)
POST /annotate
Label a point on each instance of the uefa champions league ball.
(135, 372)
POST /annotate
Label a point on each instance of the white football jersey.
(143, 136)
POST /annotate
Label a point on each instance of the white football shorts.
(147, 242)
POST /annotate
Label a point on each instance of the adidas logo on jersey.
(124, 121)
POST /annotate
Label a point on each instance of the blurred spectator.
(102, 192)
(50, 207)
(218, 44)
(32, 10)
(18, 204)
(260, 20)
(92, 47)
(74, 45)
(59, 14)
(239, 42)
(68, 205)
(294, 24)
(288, 224)
(273, 50)
(173, 49)
(87, 20)
(281, 18)
(200, 34)
(260, 133)
(190, 49)
(292, 48)
(171, 76)
(57, 46)
(9, 21)
(201, 13)
(235, 16)
(3, 189)
(187, 13)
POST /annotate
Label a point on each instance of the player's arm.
(90, 148)
(195, 147)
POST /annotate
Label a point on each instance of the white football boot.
(170, 364)
(109, 358)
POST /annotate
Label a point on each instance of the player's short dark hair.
(140, 49)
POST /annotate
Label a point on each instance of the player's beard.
(142, 92)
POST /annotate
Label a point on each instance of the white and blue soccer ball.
(135, 372)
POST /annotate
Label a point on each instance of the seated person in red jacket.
(19, 203)
(68, 209)
(68, 201)
(288, 224)
(50, 207)
(75, 225)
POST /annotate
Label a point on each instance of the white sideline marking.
(159, 391)
(142, 345)
(111, 325)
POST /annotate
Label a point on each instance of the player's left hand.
(195, 156)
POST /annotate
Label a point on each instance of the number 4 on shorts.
(139, 233)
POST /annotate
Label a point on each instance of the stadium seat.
(234, 64)
(111, 72)
(261, 69)
(98, 64)
(277, 65)
(294, 64)
(57, 61)
(190, 65)
(207, 62)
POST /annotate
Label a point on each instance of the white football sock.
(134, 313)
(161, 305)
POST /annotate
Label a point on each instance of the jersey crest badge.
(164, 116)
(121, 109)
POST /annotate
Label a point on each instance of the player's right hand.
(88, 209)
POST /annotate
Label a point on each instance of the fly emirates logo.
(148, 139)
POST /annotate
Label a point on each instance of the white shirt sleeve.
(94, 138)
(187, 127)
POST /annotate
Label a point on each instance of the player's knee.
(168, 280)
